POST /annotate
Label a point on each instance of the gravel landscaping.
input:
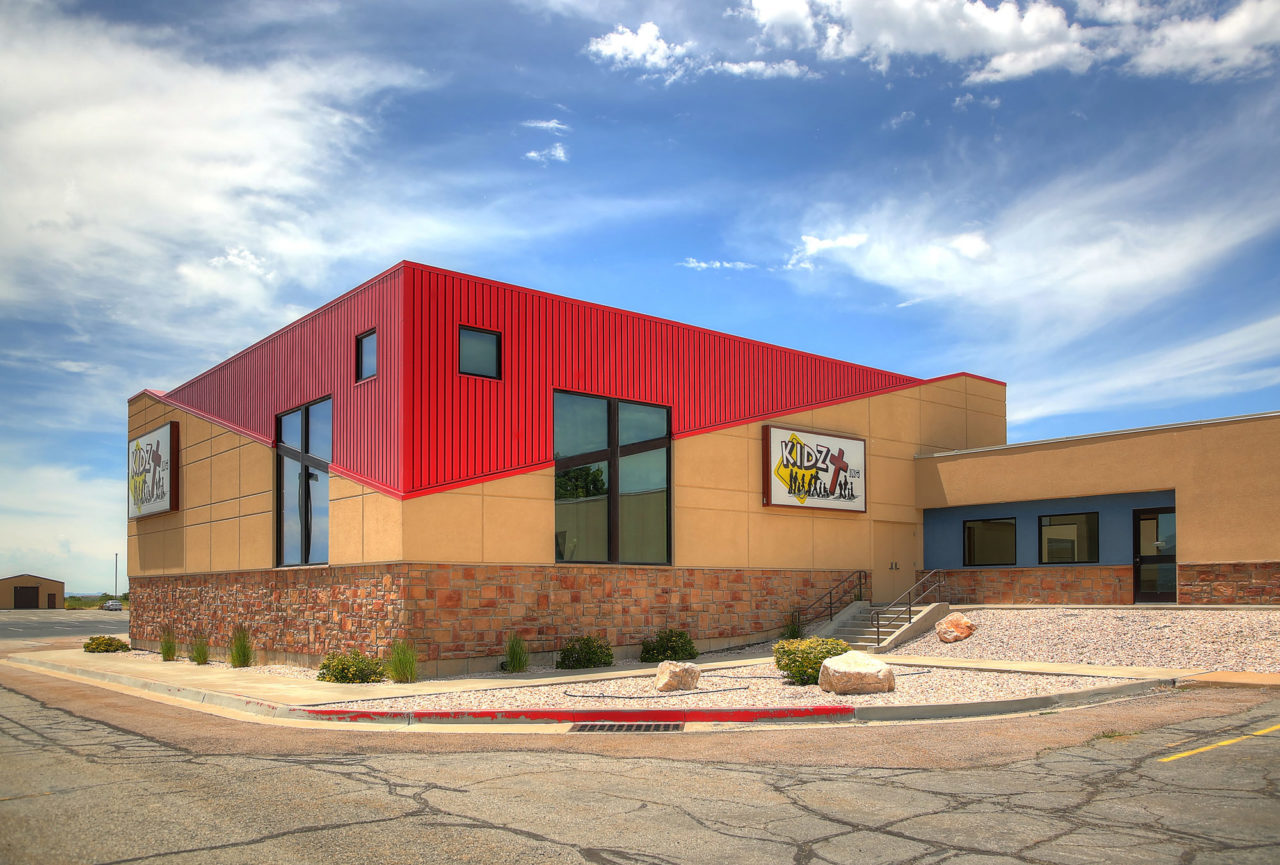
(1190, 639)
(757, 685)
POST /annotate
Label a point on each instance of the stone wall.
(458, 616)
(1067, 584)
(1229, 583)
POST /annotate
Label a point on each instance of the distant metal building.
(29, 592)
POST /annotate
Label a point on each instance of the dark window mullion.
(614, 483)
(641, 447)
(577, 460)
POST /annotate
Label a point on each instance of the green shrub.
(517, 655)
(582, 652)
(802, 659)
(168, 646)
(353, 667)
(106, 644)
(200, 649)
(793, 629)
(241, 652)
(402, 664)
(668, 645)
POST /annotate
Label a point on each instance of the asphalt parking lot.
(38, 625)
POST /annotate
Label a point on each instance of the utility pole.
(117, 586)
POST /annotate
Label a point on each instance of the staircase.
(859, 630)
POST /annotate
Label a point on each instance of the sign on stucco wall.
(814, 470)
(153, 479)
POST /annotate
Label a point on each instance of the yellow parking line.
(1220, 744)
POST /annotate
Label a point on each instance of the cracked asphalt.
(92, 776)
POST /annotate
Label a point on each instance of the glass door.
(1155, 556)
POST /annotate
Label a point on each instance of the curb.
(916, 712)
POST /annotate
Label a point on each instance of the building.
(446, 459)
(29, 592)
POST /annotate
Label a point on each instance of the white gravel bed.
(736, 687)
(1241, 640)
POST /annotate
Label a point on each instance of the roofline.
(162, 397)
(1107, 434)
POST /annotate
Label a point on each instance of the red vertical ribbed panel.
(462, 427)
(315, 357)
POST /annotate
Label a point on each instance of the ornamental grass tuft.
(402, 663)
(517, 655)
(240, 654)
(200, 649)
(802, 660)
(168, 646)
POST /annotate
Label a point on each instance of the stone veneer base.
(1229, 583)
(458, 616)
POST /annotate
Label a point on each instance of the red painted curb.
(572, 716)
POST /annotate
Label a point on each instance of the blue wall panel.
(944, 527)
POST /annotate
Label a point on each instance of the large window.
(990, 542)
(479, 352)
(1068, 539)
(613, 461)
(304, 448)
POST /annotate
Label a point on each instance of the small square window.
(478, 352)
(990, 542)
(366, 355)
(1067, 539)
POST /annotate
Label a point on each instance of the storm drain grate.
(613, 727)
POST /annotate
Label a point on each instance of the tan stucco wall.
(45, 585)
(225, 495)
(1225, 475)
(720, 520)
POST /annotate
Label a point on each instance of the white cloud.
(554, 126)
(642, 49)
(60, 522)
(554, 153)
(761, 69)
(901, 119)
(1058, 263)
(695, 264)
(990, 42)
(1237, 361)
(1243, 40)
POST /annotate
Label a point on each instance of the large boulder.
(677, 676)
(955, 627)
(855, 673)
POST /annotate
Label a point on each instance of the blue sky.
(1080, 198)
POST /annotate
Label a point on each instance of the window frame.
(964, 542)
(612, 455)
(360, 338)
(497, 361)
(308, 461)
(1097, 541)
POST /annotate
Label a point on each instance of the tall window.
(613, 461)
(990, 542)
(1068, 539)
(305, 448)
(366, 355)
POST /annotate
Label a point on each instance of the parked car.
(112, 605)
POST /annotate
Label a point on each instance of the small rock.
(955, 627)
(855, 673)
(677, 676)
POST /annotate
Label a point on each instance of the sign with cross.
(807, 469)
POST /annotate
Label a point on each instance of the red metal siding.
(420, 425)
(312, 358)
(463, 427)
